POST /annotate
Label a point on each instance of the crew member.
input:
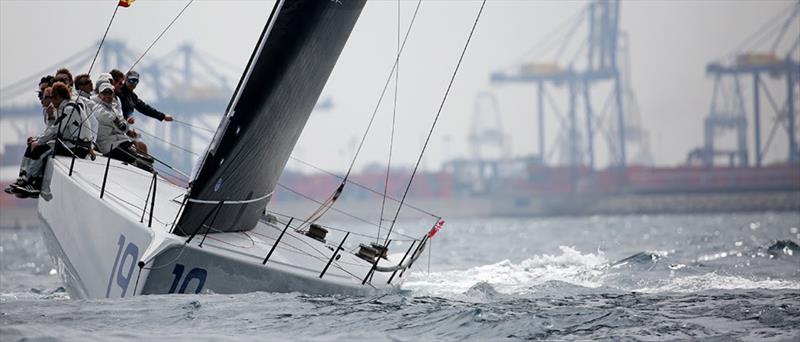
(114, 138)
(131, 101)
(68, 135)
(64, 76)
(125, 86)
(48, 112)
(83, 90)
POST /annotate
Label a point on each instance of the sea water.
(716, 276)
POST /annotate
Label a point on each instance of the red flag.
(435, 229)
(125, 3)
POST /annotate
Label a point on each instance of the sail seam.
(195, 200)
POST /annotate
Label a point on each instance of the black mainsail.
(285, 75)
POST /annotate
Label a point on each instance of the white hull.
(97, 244)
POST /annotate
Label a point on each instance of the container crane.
(759, 57)
(595, 62)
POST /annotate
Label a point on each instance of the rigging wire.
(276, 214)
(325, 206)
(22, 85)
(383, 92)
(435, 120)
(193, 126)
(317, 168)
(361, 186)
(391, 137)
(300, 227)
(284, 186)
(104, 38)
(160, 35)
(179, 173)
(167, 142)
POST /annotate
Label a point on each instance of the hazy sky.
(670, 43)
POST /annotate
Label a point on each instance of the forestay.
(285, 75)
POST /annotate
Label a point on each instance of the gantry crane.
(594, 63)
(761, 57)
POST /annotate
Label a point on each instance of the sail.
(285, 75)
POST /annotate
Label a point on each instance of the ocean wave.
(714, 281)
(575, 272)
(571, 266)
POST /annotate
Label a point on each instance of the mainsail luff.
(286, 74)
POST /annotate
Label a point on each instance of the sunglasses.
(133, 81)
(107, 92)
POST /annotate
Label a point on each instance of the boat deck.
(127, 188)
(299, 258)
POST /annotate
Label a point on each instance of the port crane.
(762, 58)
(585, 54)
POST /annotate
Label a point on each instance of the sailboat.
(115, 230)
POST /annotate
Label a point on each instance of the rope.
(160, 35)
(324, 207)
(92, 113)
(391, 137)
(104, 38)
(167, 142)
(179, 172)
(385, 86)
(318, 202)
(299, 161)
(435, 120)
(193, 126)
(329, 203)
(361, 186)
(337, 210)
(410, 238)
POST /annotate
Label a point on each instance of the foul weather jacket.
(71, 126)
(112, 127)
(131, 101)
(89, 107)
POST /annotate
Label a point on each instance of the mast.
(293, 59)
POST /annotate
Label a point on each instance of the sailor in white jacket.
(112, 129)
(114, 136)
(83, 90)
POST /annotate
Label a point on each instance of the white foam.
(570, 266)
(713, 281)
(586, 270)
